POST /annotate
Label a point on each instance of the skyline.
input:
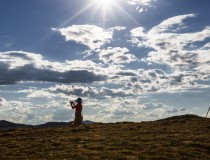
(129, 60)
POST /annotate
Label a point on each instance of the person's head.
(79, 100)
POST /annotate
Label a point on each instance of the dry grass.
(185, 137)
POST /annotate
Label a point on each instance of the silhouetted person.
(78, 112)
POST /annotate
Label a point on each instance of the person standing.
(78, 112)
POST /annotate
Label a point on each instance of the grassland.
(177, 138)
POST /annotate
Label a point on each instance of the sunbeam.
(78, 13)
(127, 15)
(106, 8)
(104, 3)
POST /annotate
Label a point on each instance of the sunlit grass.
(185, 137)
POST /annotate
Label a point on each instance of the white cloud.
(116, 55)
(40, 94)
(131, 109)
(175, 110)
(88, 91)
(142, 5)
(101, 110)
(157, 111)
(162, 108)
(139, 37)
(206, 46)
(75, 90)
(148, 106)
(120, 109)
(174, 47)
(28, 113)
(24, 66)
(122, 114)
(95, 38)
(171, 25)
(138, 32)
(14, 111)
(140, 2)
(92, 36)
(3, 102)
(117, 28)
(156, 80)
(17, 59)
(171, 48)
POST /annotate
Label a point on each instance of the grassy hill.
(182, 137)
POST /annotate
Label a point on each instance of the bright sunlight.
(104, 3)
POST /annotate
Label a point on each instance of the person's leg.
(77, 120)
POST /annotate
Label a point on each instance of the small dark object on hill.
(207, 112)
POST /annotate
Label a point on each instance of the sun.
(104, 9)
(104, 3)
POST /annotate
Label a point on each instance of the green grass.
(176, 138)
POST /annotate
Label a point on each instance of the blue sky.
(130, 60)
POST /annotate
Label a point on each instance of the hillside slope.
(181, 137)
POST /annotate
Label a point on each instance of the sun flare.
(104, 3)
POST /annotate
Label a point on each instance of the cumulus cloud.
(96, 39)
(36, 93)
(141, 5)
(175, 110)
(88, 91)
(156, 111)
(206, 46)
(76, 90)
(28, 113)
(156, 80)
(167, 109)
(148, 106)
(3, 102)
(117, 28)
(171, 25)
(122, 114)
(174, 47)
(17, 66)
(120, 109)
(116, 55)
(14, 111)
(15, 59)
(131, 109)
(89, 35)
(138, 32)
(141, 2)
(148, 80)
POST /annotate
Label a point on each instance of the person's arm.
(75, 105)
(72, 104)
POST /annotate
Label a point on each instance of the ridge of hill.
(183, 117)
(10, 125)
(6, 124)
(174, 138)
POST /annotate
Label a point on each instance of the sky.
(129, 60)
